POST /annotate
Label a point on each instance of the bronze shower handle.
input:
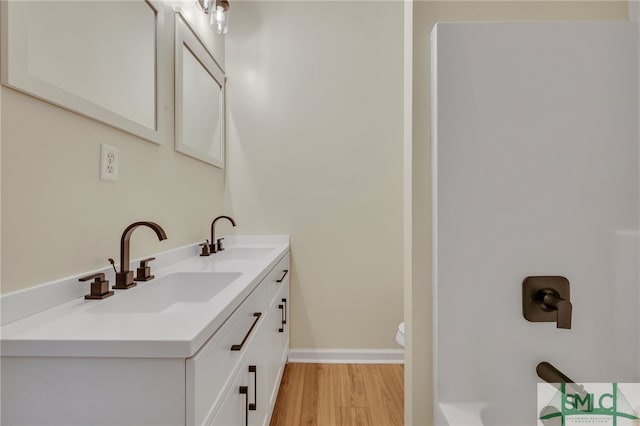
(550, 300)
(547, 299)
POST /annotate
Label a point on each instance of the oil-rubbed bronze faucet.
(216, 245)
(124, 278)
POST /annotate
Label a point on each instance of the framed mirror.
(96, 58)
(200, 95)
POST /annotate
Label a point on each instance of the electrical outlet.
(108, 162)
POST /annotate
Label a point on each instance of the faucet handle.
(99, 286)
(143, 273)
(219, 245)
(206, 248)
(564, 309)
(547, 299)
(550, 300)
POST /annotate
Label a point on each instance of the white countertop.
(76, 328)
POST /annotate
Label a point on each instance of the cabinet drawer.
(209, 372)
(277, 278)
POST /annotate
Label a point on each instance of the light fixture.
(205, 5)
(220, 16)
(219, 10)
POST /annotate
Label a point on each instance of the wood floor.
(340, 395)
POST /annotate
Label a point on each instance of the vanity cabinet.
(232, 380)
(228, 387)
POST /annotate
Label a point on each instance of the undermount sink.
(171, 293)
(242, 253)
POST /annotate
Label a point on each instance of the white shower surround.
(535, 151)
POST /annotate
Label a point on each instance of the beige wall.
(315, 151)
(59, 219)
(426, 14)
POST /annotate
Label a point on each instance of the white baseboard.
(347, 356)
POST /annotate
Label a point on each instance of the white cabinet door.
(256, 376)
(277, 336)
(245, 403)
(234, 409)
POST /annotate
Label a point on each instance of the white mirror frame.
(186, 38)
(15, 73)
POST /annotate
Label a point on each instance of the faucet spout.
(213, 246)
(124, 278)
(553, 376)
(557, 379)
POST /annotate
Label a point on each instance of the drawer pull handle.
(284, 319)
(286, 271)
(244, 390)
(283, 315)
(254, 369)
(239, 347)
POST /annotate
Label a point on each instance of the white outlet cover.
(108, 162)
